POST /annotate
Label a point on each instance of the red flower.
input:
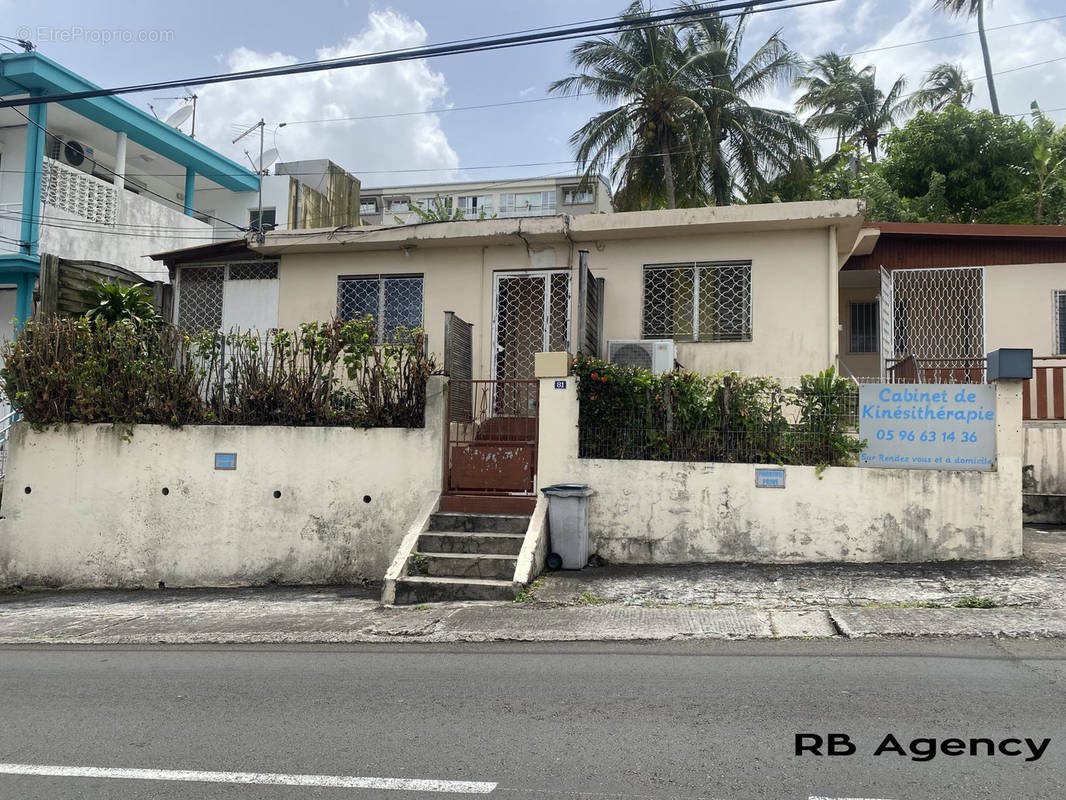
(592, 397)
(604, 379)
(595, 376)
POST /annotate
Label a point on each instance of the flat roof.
(33, 73)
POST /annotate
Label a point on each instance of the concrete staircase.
(464, 557)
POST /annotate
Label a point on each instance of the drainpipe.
(190, 190)
(832, 284)
(120, 161)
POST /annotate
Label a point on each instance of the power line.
(562, 33)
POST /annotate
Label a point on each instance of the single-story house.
(748, 288)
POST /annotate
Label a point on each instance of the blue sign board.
(928, 426)
(225, 461)
(560, 384)
(769, 478)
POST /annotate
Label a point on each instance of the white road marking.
(258, 778)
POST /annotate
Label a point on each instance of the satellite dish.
(178, 117)
(267, 160)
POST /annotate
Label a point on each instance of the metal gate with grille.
(935, 316)
(531, 315)
(491, 446)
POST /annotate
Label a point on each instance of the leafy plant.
(73, 370)
(110, 303)
(630, 413)
(975, 602)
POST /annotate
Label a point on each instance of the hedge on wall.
(63, 370)
(629, 412)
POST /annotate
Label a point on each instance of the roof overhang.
(953, 229)
(229, 249)
(844, 215)
(22, 73)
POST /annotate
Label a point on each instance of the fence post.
(1010, 445)
(557, 444)
(49, 284)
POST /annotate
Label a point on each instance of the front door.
(531, 314)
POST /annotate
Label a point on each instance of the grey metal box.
(1010, 363)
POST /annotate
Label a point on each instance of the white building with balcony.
(96, 179)
(528, 197)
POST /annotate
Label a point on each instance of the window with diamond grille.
(200, 298)
(863, 336)
(394, 302)
(938, 313)
(699, 302)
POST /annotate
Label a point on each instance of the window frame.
(381, 314)
(253, 213)
(873, 338)
(575, 190)
(1058, 316)
(698, 270)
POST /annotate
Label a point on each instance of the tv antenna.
(177, 119)
(260, 234)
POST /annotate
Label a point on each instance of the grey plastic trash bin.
(568, 522)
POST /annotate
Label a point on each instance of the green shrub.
(62, 370)
(628, 412)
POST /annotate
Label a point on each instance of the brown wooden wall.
(903, 251)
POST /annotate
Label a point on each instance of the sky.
(115, 43)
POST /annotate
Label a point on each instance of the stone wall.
(679, 512)
(92, 506)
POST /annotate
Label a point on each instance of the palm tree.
(944, 85)
(746, 144)
(971, 8)
(680, 129)
(829, 84)
(863, 115)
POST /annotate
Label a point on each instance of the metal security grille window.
(863, 331)
(700, 302)
(394, 301)
(938, 313)
(201, 291)
(200, 298)
(1060, 322)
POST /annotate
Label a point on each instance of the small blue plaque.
(225, 461)
(770, 478)
(560, 384)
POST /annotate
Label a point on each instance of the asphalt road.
(548, 722)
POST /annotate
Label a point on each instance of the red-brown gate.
(491, 448)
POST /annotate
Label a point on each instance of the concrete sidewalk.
(603, 604)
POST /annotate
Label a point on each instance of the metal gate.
(531, 315)
(491, 444)
(935, 316)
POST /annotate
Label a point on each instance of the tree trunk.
(668, 179)
(988, 60)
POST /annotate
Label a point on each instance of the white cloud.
(364, 147)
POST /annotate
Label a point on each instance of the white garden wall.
(96, 515)
(658, 512)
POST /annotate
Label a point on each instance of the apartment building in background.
(500, 199)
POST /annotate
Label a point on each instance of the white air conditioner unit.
(654, 354)
(72, 153)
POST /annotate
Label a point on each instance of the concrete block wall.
(684, 512)
(89, 506)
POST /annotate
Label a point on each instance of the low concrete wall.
(1044, 462)
(84, 506)
(678, 512)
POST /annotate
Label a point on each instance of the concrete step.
(479, 523)
(501, 544)
(462, 565)
(418, 589)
